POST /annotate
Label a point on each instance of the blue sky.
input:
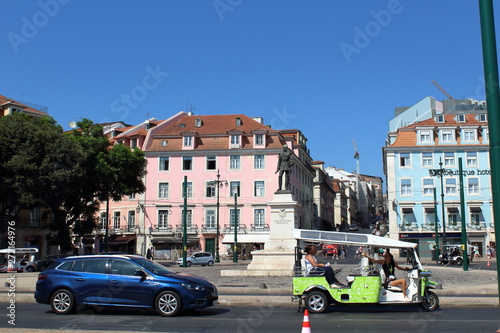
(333, 69)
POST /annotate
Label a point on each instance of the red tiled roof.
(25, 108)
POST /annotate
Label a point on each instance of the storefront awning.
(116, 240)
(229, 238)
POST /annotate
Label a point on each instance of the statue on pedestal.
(285, 163)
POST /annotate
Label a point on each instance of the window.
(188, 141)
(233, 216)
(259, 190)
(187, 163)
(235, 140)
(131, 219)
(404, 160)
(452, 218)
(259, 218)
(211, 188)
(162, 219)
(486, 135)
(449, 159)
(471, 160)
(428, 186)
(405, 186)
(461, 118)
(447, 136)
(235, 188)
(91, 266)
(408, 216)
(211, 162)
(102, 220)
(189, 189)
(198, 122)
(475, 218)
(258, 162)
(430, 216)
(35, 217)
(116, 220)
(482, 117)
(164, 163)
(451, 186)
(238, 121)
(440, 118)
(259, 139)
(133, 143)
(210, 222)
(163, 190)
(469, 135)
(132, 196)
(427, 160)
(189, 218)
(473, 185)
(164, 143)
(121, 267)
(234, 162)
(425, 136)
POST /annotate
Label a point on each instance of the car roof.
(103, 256)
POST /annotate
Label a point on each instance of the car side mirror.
(140, 273)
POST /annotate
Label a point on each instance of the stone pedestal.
(278, 256)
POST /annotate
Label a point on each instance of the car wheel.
(210, 263)
(316, 301)
(459, 261)
(30, 269)
(188, 264)
(430, 301)
(62, 301)
(168, 303)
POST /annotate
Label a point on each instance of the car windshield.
(153, 267)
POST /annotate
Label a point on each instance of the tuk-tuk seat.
(386, 284)
(314, 271)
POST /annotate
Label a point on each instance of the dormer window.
(164, 143)
(188, 141)
(440, 118)
(235, 141)
(482, 117)
(259, 139)
(461, 118)
(198, 122)
(238, 121)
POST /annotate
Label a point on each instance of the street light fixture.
(440, 173)
(218, 184)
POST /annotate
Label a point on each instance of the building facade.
(421, 163)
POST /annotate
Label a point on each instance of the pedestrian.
(343, 253)
(149, 253)
(488, 252)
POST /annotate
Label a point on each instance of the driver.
(388, 265)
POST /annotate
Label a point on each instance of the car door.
(90, 280)
(125, 287)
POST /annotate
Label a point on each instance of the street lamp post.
(440, 173)
(219, 184)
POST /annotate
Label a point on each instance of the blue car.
(121, 281)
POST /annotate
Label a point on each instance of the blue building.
(421, 163)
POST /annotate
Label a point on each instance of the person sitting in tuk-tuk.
(388, 265)
(311, 262)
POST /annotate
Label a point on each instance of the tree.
(69, 173)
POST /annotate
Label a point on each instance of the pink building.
(220, 156)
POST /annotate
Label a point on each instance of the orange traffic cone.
(306, 326)
(488, 263)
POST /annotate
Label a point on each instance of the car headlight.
(194, 287)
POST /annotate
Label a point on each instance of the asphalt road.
(34, 318)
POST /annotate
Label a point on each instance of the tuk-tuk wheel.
(316, 301)
(459, 261)
(430, 301)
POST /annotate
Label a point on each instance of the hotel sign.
(450, 172)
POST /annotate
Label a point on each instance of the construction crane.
(356, 156)
(358, 185)
(442, 90)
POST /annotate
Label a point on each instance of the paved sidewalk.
(477, 286)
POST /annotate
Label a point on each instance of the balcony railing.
(168, 229)
(259, 227)
(193, 230)
(209, 230)
(230, 228)
(131, 228)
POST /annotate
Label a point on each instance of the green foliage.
(68, 173)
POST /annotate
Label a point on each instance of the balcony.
(209, 230)
(193, 230)
(258, 228)
(131, 228)
(163, 230)
(230, 229)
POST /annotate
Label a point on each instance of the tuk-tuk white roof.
(333, 237)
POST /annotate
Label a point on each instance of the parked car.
(45, 262)
(121, 281)
(198, 258)
(353, 227)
